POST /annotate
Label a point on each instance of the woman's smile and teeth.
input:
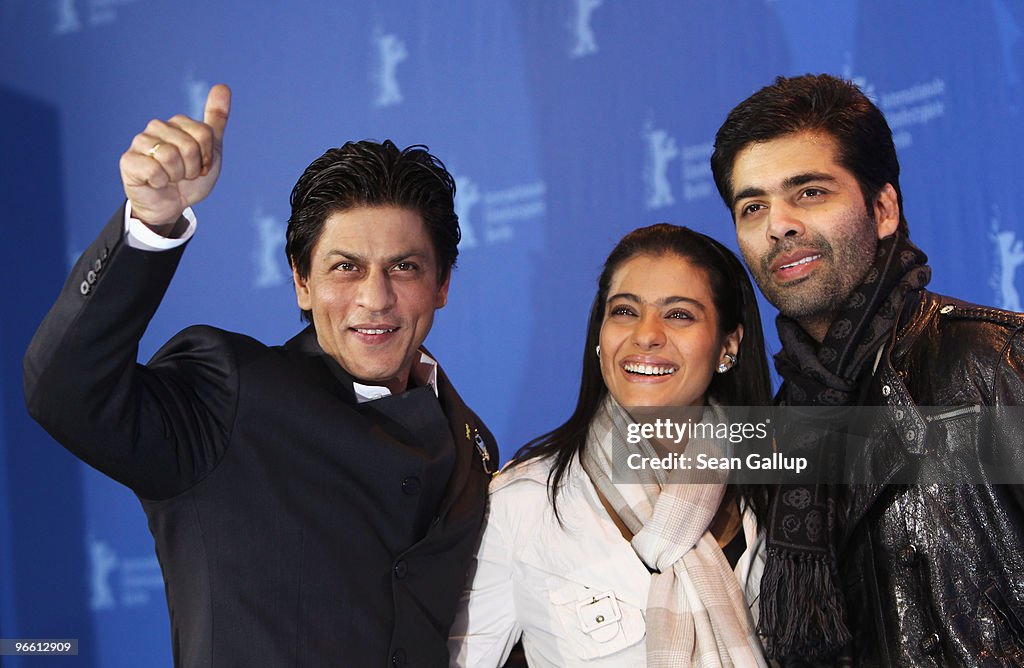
(646, 370)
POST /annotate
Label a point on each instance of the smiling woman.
(660, 338)
(579, 559)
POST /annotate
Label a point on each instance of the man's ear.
(301, 290)
(887, 211)
(442, 291)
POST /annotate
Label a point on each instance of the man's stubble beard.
(814, 301)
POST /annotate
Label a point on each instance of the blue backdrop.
(566, 123)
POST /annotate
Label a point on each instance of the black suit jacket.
(294, 527)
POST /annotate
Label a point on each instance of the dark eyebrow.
(748, 192)
(792, 182)
(802, 179)
(343, 254)
(355, 257)
(664, 301)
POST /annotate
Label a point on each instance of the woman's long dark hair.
(746, 384)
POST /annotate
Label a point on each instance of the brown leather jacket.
(933, 575)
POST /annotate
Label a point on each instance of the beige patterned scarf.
(696, 614)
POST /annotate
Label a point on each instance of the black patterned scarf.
(802, 611)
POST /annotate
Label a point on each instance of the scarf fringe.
(801, 607)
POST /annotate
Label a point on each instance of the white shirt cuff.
(141, 237)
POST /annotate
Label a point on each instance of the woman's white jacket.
(575, 591)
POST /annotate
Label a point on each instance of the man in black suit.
(314, 503)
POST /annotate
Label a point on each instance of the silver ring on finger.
(151, 153)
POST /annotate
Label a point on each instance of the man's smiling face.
(373, 288)
(802, 225)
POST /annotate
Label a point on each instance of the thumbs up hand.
(174, 164)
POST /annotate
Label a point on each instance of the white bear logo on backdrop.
(584, 39)
(195, 95)
(102, 562)
(1009, 257)
(390, 52)
(268, 255)
(67, 17)
(467, 196)
(661, 149)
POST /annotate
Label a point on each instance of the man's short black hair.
(368, 173)
(816, 103)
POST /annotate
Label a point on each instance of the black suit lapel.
(474, 444)
(307, 353)
(469, 435)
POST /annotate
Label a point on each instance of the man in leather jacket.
(899, 569)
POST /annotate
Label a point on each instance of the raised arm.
(157, 429)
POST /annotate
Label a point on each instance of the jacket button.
(886, 390)
(411, 485)
(105, 253)
(930, 645)
(97, 264)
(84, 288)
(948, 308)
(908, 555)
(401, 569)
(398, 658)
(91, 277)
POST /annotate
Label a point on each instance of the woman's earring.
(598, 351)
(730, 362)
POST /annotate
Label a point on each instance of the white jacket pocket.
(594, 621)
